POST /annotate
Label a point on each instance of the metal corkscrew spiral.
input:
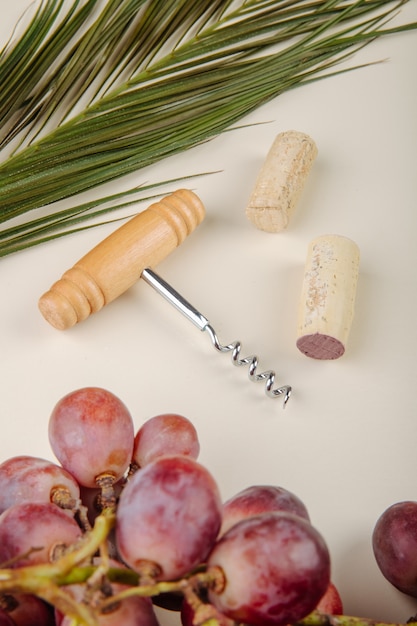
(199, 320)
(117, 263)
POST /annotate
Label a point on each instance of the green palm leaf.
(95, 90)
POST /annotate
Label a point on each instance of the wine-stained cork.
(116, 263)
(328, 294)
(281, 180)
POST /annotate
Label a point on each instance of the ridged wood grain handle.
(117, 262)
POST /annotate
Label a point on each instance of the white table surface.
(346, 443)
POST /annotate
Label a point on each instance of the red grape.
(188, 616)
(91, 433)
(31, 611)
(276, 568)
(169, 513)
(133, 611)
(33, 530)
(168, 433)
(394, 542)
(260, 499)
(31, 479)
(331, 602)
(5, 619)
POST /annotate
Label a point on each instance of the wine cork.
(281, 180)
(328, 294)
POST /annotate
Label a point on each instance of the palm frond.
(131, 82)
(67, 221)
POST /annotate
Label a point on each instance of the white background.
(346, 443)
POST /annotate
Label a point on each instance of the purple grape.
(164, 434)
(331, 603)
(30, 610)
(188, 615)
(276, 568)
(134, 611)
(394, 542)
(5, 619)
(33, 531)
(169, 513)
(91, 433)
(260, 499)
(31, 479)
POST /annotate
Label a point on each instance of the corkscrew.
(199, 320)
(128, 254)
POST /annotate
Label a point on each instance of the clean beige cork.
(328, 294)
(281, 181)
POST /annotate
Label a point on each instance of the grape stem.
(204, 579)
(46, 580)
(321, 619)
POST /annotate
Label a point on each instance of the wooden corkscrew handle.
(116, 263)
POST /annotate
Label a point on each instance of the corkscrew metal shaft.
(199, 320)
(126, 255)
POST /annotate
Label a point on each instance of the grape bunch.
(126, 521)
